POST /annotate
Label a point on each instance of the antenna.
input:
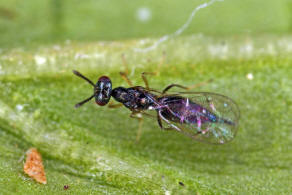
(90, 82)
(84, 101)
(82, 76)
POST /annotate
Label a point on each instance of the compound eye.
(103, 90)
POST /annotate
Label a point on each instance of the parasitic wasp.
(203, 116)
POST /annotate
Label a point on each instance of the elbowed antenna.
(90, 82)
(84, 101)
(82, 76)
(102, 90)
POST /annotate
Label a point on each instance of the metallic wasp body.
(203, 116)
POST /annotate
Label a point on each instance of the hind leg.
(184, 87)
(171, 126)
(160, 124)
(138, 116)
(173, 85)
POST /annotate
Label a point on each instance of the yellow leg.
(199, 84)
(124, 75)
(125, 64)
(112, 105)
(162, 61)
(140, 130)
(138, 116)
(145, 79)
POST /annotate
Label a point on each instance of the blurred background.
(46, 21)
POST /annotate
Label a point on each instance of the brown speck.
(34, 166)
(181, 183)
(66, 187)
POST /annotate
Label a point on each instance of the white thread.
(179, 31)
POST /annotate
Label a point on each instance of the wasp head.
(101, 90)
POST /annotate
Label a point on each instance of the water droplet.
(249, 76)
(143, 14)
(40, 60)
(167, 192)
(19, 107)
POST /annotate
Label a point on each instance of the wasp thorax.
(103, 90)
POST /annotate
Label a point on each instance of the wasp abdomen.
(183, 110)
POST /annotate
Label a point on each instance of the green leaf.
(92, 149)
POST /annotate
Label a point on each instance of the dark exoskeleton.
(203, 116)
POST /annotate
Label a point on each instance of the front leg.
(124, 75)
(112, 105)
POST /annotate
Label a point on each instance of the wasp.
(203, 116)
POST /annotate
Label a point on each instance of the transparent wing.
(218, 126)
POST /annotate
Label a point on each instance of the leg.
(124, 75)
(173, 85)
(145, 79)
(162, 61)
(111, 105)
(125, 64)
(160, 123)
(171, 126)
(186, 88)
(199, 84)
(138, 116)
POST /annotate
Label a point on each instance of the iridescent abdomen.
(182, 110)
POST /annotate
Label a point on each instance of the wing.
(208, 117)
